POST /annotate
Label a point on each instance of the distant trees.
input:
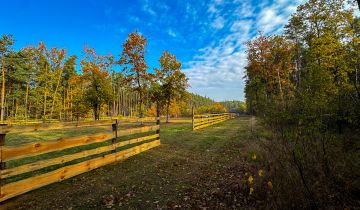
(44, 83)
(235, 106)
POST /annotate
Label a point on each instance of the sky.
(208, 36)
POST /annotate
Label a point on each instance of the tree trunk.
(280, 88)
(64, 103)
(96, 113)
(45, 96)
(56, 89)
(2, 91)
(167, 110)
(16, 108)
(44, 112)
(141, 97)
(71, 105)
(26, 99)
(141, 104)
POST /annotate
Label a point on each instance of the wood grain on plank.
(37, 148)
(53, 126)
(138, 130)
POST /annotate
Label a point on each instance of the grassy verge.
(204, 168)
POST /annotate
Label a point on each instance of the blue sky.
(207, 36)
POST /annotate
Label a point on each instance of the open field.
(190, 169)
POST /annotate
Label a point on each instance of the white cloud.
(269, 20)
(147, 8)
(218, 22)
(171, 33)
(272, 18)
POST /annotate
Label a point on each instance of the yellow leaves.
(250, 180)
(253, 156)
(251, 191)
(261, 172)
(270, 185)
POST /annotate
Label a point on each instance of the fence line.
(16, 127)
(204, 120)
(102, 151)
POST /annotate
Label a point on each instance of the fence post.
(114, 129)
(158, 119)
(2, 164)
(192, 118)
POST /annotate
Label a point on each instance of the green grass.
(188, 164)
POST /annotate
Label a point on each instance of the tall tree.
(69, 73)
(173, 82)
(95, 70)
(6, 41)
(135, 67)
(57, 59)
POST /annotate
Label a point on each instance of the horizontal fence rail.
(38, 164)
(18, 128)
(37, 125)
(204, 120)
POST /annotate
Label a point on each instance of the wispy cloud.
(218, 22)
(171, 33)
(148, 9)
(218, 68)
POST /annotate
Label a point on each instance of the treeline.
(304, 86)
(235, 106)
(44, 83)
(206, 105)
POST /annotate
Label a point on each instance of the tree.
(69, 73)
(135, 67)
(19, 73)
(6, 41)
(57, 59)
(173, 82)
(97, 80)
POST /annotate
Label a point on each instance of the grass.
(189, 170)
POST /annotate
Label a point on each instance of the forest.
(303, 85)
(43, 83)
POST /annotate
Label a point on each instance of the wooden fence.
(72, 156)
(84, 121)
(204, 120)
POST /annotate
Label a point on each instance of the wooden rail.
(53, 126)
(204, 120)
(93, 151)
(29, 126)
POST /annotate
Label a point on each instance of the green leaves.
(170, 82)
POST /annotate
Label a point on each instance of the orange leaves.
(133, 53)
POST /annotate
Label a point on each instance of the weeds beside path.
(204, 168)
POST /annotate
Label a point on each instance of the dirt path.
(205, 168)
